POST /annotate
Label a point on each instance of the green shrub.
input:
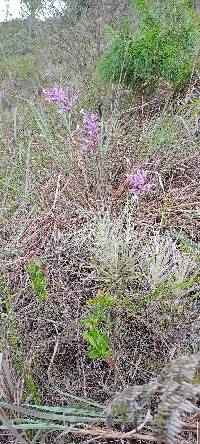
(164, 45)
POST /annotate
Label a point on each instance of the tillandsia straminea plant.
(84, 130)
(88, 150)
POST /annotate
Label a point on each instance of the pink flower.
(60, 97)
(90, 130)
(138, 183)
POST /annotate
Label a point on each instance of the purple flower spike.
(60, 97)
(91, 130)
(138, 183)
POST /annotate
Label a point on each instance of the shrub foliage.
(164, 45)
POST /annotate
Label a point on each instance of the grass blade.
(65, 410)
(51, 416)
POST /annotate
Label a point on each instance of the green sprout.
(38, 280)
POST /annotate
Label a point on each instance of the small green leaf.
(94, 353)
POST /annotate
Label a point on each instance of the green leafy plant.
(163, 47)
(96, 326)
(38, 280)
